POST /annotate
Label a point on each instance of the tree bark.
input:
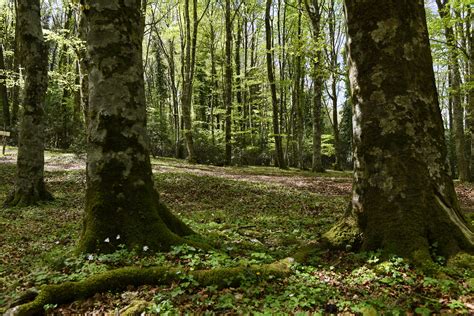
(403, 199)
(189, 62)
(29, 186)
(280, 160)
(455, 94)
(470, 39)
(298, 94)
(121, 202)
(228, 84)
(3, 92)
(314, 11)
(16, 63)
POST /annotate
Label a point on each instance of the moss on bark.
(29, 184)
(122, 206)
(403, 198)
(119, 279)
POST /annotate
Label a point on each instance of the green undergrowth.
(247, 223)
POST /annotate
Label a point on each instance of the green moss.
(345, 234)
(119, 279)
(462, 260)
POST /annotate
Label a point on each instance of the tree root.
(119, 279)
(22, 199)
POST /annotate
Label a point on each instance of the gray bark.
(455, 94)
(280, 159)
(29, 186)
(120, 197)
(403, 199)
(228, 84)
(3, 92)
(313, 9)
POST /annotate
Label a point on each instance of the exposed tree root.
(21, 199)
(119, 279)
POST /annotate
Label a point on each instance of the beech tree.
(403, 198)
(29, 185)
(121, 202)
(280, 159)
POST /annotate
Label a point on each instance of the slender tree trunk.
(29, 186)
(297, 95)
(65, 132)
(189, 60)
(314, 9)
(280, 160)
(403, 199)
(470, 39)
(214, 82)
(451, 137)
(333, 60)
(16, 66)
(238, 83)
(174, 95)
(317, 165)
(3, 92)
(228, 84)
(121, 201)
(84, 71)
(455, 94)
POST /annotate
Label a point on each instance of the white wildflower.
(145, 248)
(107, 239)
(118, 237)
(90, 257)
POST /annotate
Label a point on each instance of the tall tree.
(280, 159)
(403, 199)
(455, 91)
(228, 83)
(191, 32)
(298, 103)
(29, 185)
(3, 91)
(314, 10)
(120, 197)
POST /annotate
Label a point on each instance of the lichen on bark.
(120, 197)
(29, 184)
(403, 198)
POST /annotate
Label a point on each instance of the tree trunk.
(228, 84)
(121, 202)
(188, 76)
(238, 83)
(297, 95)
(29, 186)
(455, 94)
(84, 72)
(16, 65)
(3, 92)
(280, 160)
(403, 199)
(314, 11)
(470, 39)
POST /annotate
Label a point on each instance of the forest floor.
(250, 215)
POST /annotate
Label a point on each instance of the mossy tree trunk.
(121, 202)
(403, 199)
(29, 185)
